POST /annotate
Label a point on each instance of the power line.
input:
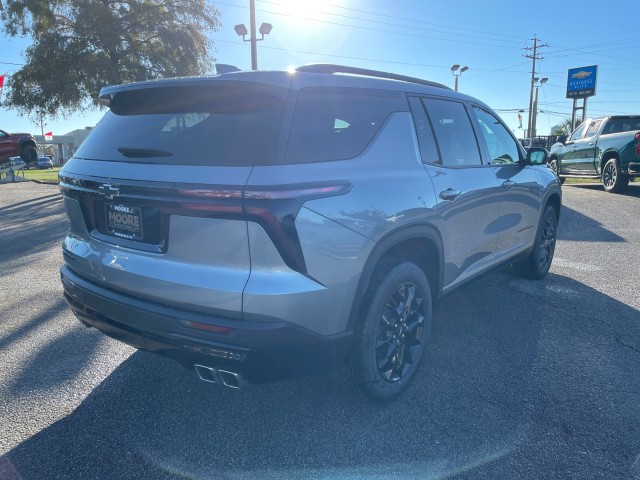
(456, 28)
(371, 29)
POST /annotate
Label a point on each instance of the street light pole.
(534, 123)
(252, 25)
(454, 69)
(241, 30)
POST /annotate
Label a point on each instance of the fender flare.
(382, 247)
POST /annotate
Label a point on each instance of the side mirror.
(537, 156)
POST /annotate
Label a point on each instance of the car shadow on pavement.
(503, 384)
(576, 226)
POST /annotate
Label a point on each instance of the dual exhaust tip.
(219, 376)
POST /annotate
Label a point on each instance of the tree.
(81, 45)
(563, 128)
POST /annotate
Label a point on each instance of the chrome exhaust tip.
(232, 379)
(206, 374)
(213, 375)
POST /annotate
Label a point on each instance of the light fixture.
(241, 30)
(454, 71)
(265, 29)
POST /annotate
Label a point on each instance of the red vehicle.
(18, 144)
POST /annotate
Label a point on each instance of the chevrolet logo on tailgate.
(109, 191)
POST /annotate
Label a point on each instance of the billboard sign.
(581, 82)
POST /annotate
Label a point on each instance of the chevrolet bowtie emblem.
(109, 191)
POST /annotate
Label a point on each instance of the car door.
(584, 150)
(569, 157)
(520, 190)
(5, 144)
(467, 191)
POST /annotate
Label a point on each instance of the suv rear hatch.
(163, 175)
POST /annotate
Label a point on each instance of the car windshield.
(228, 124)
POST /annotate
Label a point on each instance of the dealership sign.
(581, 82)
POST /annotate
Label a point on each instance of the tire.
(553, 165)
(537, 265)
(613, 180)
(29, 154)
(390, 341)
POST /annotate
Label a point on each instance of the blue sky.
(424, 39)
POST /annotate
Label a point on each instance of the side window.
(502, 147)
(330, 124)
(593, 129)
(578, 133)
(456, 140)
(424, 131)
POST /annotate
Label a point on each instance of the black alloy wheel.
(538, 263)
(547, 243)
(612, 179)
(390, 342)
(400, 333)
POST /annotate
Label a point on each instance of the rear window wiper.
(133, 152)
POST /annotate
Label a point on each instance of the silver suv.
(262, 225)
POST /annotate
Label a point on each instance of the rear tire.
(390, 342)
(613, 180)
(538, 263)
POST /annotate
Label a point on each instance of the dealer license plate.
(124, 221)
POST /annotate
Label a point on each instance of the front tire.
(538, 263)
(555, 166)
(613, 180)
(389, 343)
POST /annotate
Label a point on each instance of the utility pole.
(242, 31)
(534, 56)
(252, 26)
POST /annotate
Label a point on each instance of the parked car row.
(41, 162)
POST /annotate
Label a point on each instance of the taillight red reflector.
(215, 194)
(208, 328)
(297, 193)
(638, 143)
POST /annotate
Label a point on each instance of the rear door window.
(331, 124)
(225, 124)
(456, 140)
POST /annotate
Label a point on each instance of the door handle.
(450, 194)
(591, 144)
(507, 184)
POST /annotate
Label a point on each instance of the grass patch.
(46, 175)
(582, 180)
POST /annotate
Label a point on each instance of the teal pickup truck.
(606, 148)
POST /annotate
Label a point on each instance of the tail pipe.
(222, 377)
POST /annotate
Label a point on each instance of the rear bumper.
(634, 168)
(260, 351)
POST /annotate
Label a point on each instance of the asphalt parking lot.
(523, 379)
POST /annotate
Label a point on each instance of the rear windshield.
(194, 125)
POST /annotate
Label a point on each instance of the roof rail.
(329, 68)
